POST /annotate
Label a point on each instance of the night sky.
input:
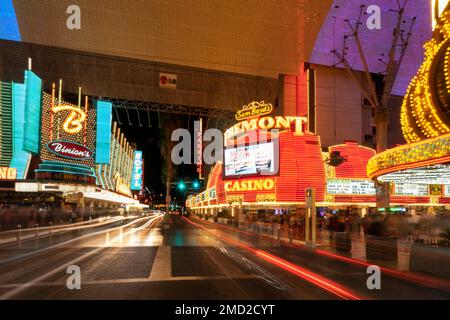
(148, 139)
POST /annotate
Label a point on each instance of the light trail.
(29, 234)
(33, 253)
(62, 267)
(440, 284)
(303, 273)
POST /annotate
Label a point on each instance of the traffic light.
(196, 184)
(181, 185)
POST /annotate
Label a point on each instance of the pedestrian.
(278, 226)
(31, 219)
(341, 222)
(291, 228)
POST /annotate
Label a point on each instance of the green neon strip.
(6, 149)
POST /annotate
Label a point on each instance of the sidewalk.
(326, 247)
(324, 241)
(11, 236)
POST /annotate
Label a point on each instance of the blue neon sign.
(136, 177)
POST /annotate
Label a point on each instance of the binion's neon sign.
(73, 123)
(121, 186)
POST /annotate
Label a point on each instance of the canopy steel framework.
(138, 107)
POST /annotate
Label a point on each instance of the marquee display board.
(256, 159)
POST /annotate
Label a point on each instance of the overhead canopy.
(426, 161)
(437, 174)
(259, 37)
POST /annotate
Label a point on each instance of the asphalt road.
(186, 260)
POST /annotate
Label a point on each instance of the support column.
(381, 123)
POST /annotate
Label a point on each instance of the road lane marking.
(162, 264)
(128, 280)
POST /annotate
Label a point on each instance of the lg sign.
(167, 80)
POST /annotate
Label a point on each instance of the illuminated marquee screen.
(250, 160)
(350, 187)
(447, 190)
(404, 189)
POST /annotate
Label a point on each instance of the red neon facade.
(354, 167)
(302, 164)
(356, 158)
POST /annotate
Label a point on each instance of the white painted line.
(128, 280)
(162, 264)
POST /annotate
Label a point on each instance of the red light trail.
(408, 276)
(303, 273)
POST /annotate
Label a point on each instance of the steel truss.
(221, 115)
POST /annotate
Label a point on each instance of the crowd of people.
(401, 226)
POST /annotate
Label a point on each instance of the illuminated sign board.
(68, 132)
(199, 146)
(254, 109)
(350, 187)
(70, 150)
(297, 124)
(121, 185)
(266, 197)
(167, 80)
(447, 190)
(66, 177)
(212, 193)
(136, 176)
(74, 120)
(250, 160)
(8, 173)
(435, 189)
(438, 8)
(250, 185)
(404, 189)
